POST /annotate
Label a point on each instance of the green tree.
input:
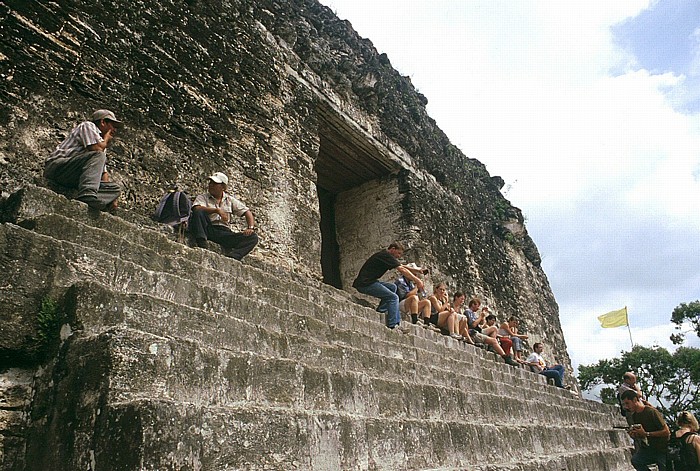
(670, 381)
(685, 312)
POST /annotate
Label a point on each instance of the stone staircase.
(176, 358)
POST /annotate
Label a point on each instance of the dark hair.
(397, 245)
(474, 302)
(457, 294)
(490, 317)
(629, 395)
(535, 346)
(513, 319)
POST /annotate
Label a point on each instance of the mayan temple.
(123, 348)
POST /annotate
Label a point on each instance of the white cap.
(219, 177)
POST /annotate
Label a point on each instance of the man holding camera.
(649, 431)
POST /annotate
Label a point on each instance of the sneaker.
(434, 328)
(420, 323)
(509, 361)
(456, 336)
(399, 329)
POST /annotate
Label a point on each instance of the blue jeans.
(517, 344)
(555, 372)
(389, 303)
(647, 455)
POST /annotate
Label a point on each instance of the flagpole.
(628, 329)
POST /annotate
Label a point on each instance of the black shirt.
(374, 268)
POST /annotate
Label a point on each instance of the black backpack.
(681, 455)
(174, 209)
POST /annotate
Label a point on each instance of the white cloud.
(606, 170)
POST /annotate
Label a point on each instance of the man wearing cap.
(211, 219)
(80, 161)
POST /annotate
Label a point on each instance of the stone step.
(44, 211)
(163, 435)
(291, 335)
(75, 255)
(62, 263)
(83, 235)
(141, 366)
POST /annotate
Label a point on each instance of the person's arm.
(641, 433)
(695, 442)
(250, 220)
(533, 361)
(101, 146)
(408, 274)
(213, 210)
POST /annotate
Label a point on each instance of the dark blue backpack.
(174, 210)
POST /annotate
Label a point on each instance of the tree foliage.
(689, 312)
(670, 381)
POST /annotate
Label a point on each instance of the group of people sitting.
(80, 163)
(473, 324)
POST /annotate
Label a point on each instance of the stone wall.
(285, 98)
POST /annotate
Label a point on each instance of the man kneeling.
(211, 219)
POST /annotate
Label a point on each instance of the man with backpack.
(649, 431)
(212, 215)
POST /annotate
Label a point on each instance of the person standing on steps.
(212, 215)
(367, 282)
(649, 430)
(629, 383)
(80, 161)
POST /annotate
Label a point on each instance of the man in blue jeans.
(367, 282)
(535, 360)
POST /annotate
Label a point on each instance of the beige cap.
(106, 114)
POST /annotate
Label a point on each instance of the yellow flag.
(614, 318)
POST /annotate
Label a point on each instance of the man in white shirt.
(80, 161)
(535, 360)
(212, 215)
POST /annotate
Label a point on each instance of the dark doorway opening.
(347, 158)
(330, 250)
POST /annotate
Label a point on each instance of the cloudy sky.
(590, 111)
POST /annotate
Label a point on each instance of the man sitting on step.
(212, 214)
(539, 365)
(80, 161)
(367, 282)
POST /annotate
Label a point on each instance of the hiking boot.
(91, 201)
